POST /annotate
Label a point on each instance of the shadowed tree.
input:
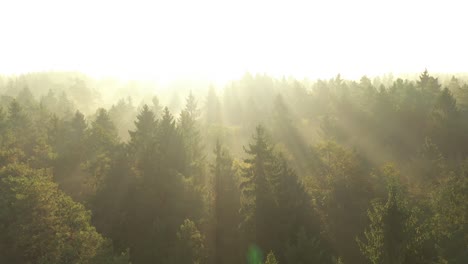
(226, 207)
(40, 224)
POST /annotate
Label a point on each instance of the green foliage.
(341, 192)
(255, 188)
(40, 224)
(271, 190)
(189, 130)
(393, 234)
(226, 204)
(271, 258)
(103, 134)
(190, 246)
(122, 115)
(143, 172)
(143, 139)
(304, 249)
(449, 204)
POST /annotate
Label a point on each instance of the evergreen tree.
(190, 246)
(446, 128)
(270, 190)
(392, 236)
(449, 207)
(3, 122)
(305, 250)
(188, 127)
(341, 192)
(102, 141)
(156, 107)
(19, 125)
(103, 134)
(255, 189)
(65, 106)
(226, 206)
(170, 143)
(142, 140)
(40, 224)
(26, 98)
(429, 86)
(271, 258)
(50, 101)
(212, 107)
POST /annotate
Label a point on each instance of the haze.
(221, 40)
(208, 132)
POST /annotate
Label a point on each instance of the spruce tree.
(226, 203)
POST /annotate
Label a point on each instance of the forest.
(261, 170)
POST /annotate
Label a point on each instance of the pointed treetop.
(271, 259)
(191, 106)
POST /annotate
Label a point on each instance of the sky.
(221, 40)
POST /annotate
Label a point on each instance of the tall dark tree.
(270, 190)
(40, 224)
(226, 203)
(188, 126)
(143, 138)
(256, 190)
(393, 235)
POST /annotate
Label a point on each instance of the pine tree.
(190, 247)
(122, 115)
(449, 216)
(103, 134)
(50, 101)
(305, 249)
(341, 192)
(392, 234)
(156, 107)
(102, 141)
(446, 128)
(65, 106)
(18, 119)
(169, 143)
(271, 258)
(19, 125)
(26, 98)
(226, 206)
(40, 224)
(3, 124)
(188, 127)
(143, 138)
(429, 87)
(255, 189)
(212, 107)
(78, 127)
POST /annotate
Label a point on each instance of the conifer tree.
(271, 258)
(188, 127)
(226, 206)
(40, 224)
(392, 234)
(212, 107)
(190, 247)
(143, 138)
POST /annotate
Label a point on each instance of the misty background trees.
(263, 170)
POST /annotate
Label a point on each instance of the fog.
(226, 132)
(222, 40)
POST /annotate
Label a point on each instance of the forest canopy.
(260, 170)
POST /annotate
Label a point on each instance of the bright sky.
(218, 39)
